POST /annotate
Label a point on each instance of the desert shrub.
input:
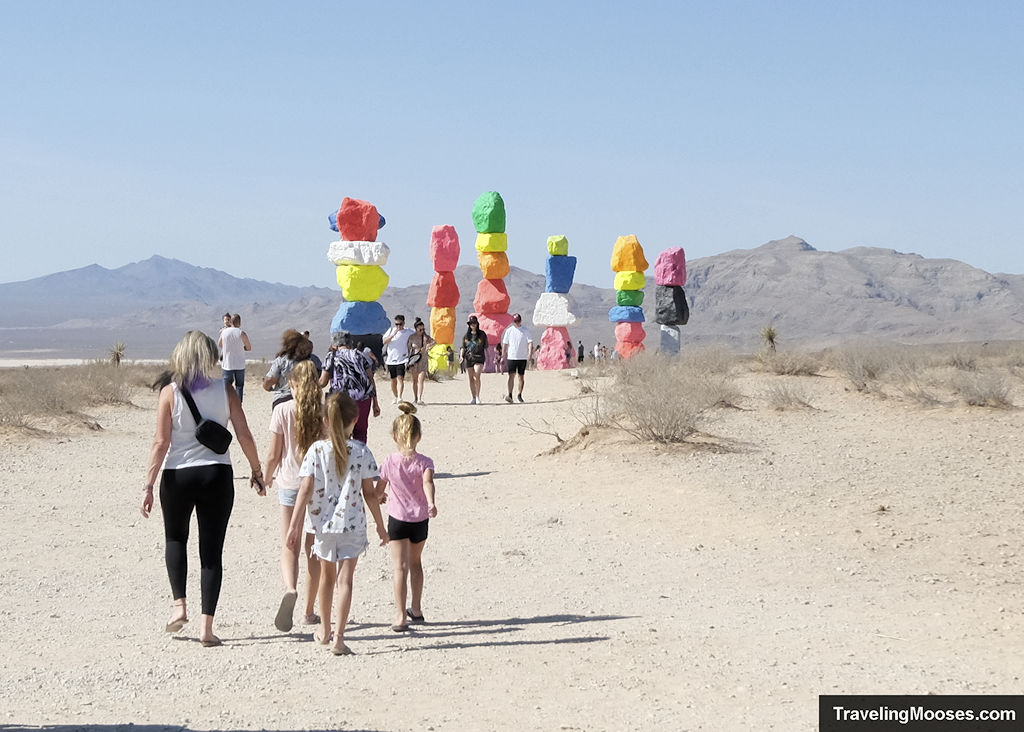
(38, 393)
(865, 364)
(787, 396)
(713, 359)
(982, 389)
(789, 363)
(963, 360)
(659, 399)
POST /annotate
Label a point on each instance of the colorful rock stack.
(629, 265)
(554, 307)
(492, 300)
(671, 309)
(443, 296)
(359, 259)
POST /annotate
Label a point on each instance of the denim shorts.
(286, 497)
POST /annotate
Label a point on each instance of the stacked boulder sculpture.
(554, 308)
(443, 296)
(492, 300)
(671, 309)
(629, 265)
(359, 260)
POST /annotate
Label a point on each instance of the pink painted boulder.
(552, 356)
(491, 297)
(358, 220)
(444, 291)
(494, 325)
(630, 332)
(670, 267)
(444, 248)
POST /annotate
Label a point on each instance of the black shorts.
(415, 532)
(396, 370)
(516, 366)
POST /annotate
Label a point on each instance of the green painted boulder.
(489, 213)
(629, 298)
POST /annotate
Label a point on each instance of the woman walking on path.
(337, 479)
(472, 354)
(351, 371)
(295, 347)
(410, 506)
(294, 426)
(420, 343)
(193, 477)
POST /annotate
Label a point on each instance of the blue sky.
(223, 134)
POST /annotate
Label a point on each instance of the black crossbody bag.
(210, 434)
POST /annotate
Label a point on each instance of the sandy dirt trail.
(865, 546)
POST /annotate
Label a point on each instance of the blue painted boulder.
(626, 314)
(360, 317)
(558, 273)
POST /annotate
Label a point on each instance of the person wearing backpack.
(349, 370)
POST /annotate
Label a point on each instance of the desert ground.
(868, 544)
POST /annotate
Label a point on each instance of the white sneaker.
(395, 400)
(473, 400)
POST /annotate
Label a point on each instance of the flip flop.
(283, 621)
(311, 619)
(211, 642)
(343, 651)
(175, 625)
(400, 628)
(413, 618)
(320, 639)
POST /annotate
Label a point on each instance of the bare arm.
(428, 488)
(161, 443)
(369, 495)
(274, 453)
(237, 416)
(245, 342)
(299, 514)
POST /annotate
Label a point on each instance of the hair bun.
(406, 407)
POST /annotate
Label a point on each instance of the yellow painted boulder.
(629, 280)
(558, 246)
(437, 357)
(442, 325)
(362, 282)
(492, 242)
(628, 255)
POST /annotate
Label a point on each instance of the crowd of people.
(326, 477)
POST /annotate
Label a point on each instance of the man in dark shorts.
(396, 353)
(518, 347)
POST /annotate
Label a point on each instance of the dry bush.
(787, 396)
(789, 363)
(982, 389)
(31, 394)
(867, 364)
(713, 359)
(658, 399)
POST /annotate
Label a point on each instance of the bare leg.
(394, 387)
(289, 557)
(521, 378)
(179, 615)
(206, 636)
(416, 576)
(401, 387)
(400, 558)
(328, 577)
(346, 570)
(511, 377)
(312, 576)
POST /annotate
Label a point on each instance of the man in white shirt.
(517, 346)
(233, 343)
(396, 353)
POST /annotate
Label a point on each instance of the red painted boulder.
(444, 291)
(670, 267)
(491, 297)
(358, 220)
(627, 349)
(444, 248)
(630, 332)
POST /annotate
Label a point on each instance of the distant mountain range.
(812, 298)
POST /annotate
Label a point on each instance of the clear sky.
(224, 133)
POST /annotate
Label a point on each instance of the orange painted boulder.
(491, 297)
(442, 325)
(628, 255)
(358, 220)
(444, 291)
(493, 265)
(627, 348)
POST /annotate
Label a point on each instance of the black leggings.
(210, 490)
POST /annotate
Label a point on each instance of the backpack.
(349, 377)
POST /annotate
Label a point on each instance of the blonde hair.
(308, 406)
(341, 412)
(194, 360)
(406, 429)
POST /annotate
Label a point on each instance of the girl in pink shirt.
(410, 505)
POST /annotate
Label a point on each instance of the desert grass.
(784, 396)
(789, 363)
(33, 397)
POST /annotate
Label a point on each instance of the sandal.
(173, 626)
(343, 650)
(414, 618)
(320, 639)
